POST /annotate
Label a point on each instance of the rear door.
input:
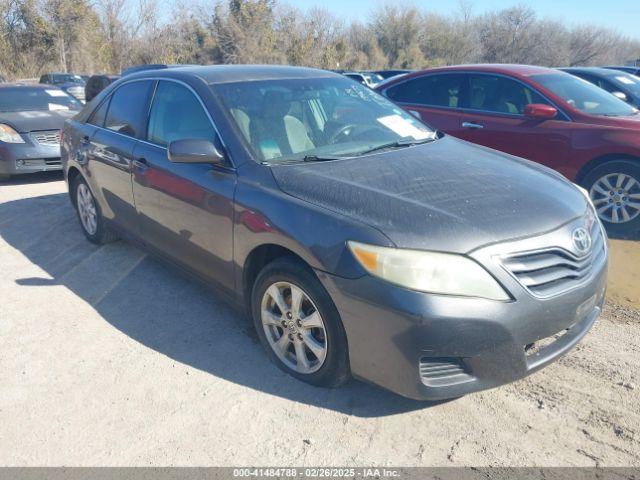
(185, 210)
(434, 98)
(120, 121)
(494, 117)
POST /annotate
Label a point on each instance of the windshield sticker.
(57, 106)
(404, 127)
(56, 93)
(626, 81)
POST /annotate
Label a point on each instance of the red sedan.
(541, 114)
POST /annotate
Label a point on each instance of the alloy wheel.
(616, 197)
(86, 209)
(294, 327)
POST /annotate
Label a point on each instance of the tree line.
(89, 36)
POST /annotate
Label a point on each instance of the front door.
(185, 210)
(494, 117)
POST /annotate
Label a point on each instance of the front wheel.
(614, 188)
(298, 324)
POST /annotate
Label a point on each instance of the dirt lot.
(109, 358)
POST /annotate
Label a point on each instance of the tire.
(623, 176)
(330, 371)
(100, 234)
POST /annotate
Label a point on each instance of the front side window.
(99, 115)
(443, 90)
(177, 114)
(25, 99)
(305, 119)
(493, 93)
(583, 95)
(126, 113)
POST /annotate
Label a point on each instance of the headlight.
(9, 135)
(432, 272)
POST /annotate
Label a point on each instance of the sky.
(620, 15)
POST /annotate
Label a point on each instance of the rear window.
(32, 99)
(435, 90)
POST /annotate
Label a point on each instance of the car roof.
(513, 69)
(215, 74)
(605, 72)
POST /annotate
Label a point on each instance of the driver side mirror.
(194, 150)
(540, 111)
(620, 96)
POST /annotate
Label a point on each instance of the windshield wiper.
(321, 158)
(398, 144)
(306, 158)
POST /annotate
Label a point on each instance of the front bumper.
(431, 347)
(29, 157)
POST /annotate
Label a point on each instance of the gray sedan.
(31, 118)
(360, 242)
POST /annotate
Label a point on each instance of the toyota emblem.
(581, 240)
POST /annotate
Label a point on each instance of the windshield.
(629, 83)
(66, 78)
(302, 119)
(583, 95)
(29, 99)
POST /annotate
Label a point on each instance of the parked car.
(620, 84)
(96, 84)
(69, 82)
(541, 114)
(391, 73)
(632, 70)
(360, 241)
(31, 118)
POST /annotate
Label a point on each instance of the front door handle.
(473, 126)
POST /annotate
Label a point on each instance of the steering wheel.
(344, 130)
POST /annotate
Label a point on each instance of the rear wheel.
(614, 188)
(298, 324)
(89, 214)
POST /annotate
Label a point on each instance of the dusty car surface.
(360, 242)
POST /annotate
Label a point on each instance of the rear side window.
(177, 114)
(435, 90)
(127, 109)
(99, 114)
(492, 93)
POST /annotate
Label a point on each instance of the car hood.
(30, 121)
(448, 195)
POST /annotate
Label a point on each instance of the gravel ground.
(110, 358)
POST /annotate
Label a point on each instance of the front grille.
(53, 162)
(554, 270)
(49, 138)
(442, 371)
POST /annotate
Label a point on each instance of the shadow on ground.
(40, 177)
(158, 307)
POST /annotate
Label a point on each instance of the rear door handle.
(141, 163)
(474, 126)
